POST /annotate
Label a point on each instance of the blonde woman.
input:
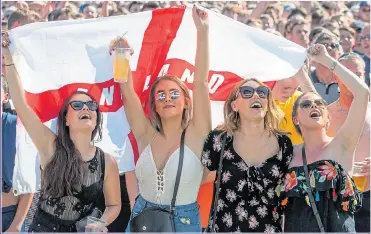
(171, 112)
(256, 156)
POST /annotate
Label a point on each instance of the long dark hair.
(65, 172)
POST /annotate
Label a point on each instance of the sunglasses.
(308, 103)
(367, 37)
(247, 91)
(174, 95)
(78, 105)
(331, 45)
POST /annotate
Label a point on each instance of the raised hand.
(200, 18)
(116, 43)
(318, 53)
(5, 42)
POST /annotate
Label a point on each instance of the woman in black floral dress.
(256, 157)
(328, 159)
(74, 171)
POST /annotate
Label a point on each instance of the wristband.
(333, 65)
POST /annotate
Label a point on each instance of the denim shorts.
(186, 217)
(8, 214)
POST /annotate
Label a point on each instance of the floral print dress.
(335, 194)
(248, 200)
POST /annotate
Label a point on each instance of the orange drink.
(359, 178)
(121, 64)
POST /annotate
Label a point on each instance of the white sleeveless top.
(158, 186)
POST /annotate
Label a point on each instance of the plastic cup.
(94, 223)
(121, 64)
(359, 178)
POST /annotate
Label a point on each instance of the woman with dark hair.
(171, 112)
(256, 155)
(74, 171)
(318, 192)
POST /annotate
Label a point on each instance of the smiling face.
(81, 113)
(310, 112)
(251, 101)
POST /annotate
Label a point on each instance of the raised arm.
(350, 132)
(305, 83)
(41, 135)
(138, 121)
(201, 102)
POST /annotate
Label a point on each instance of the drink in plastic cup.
(359, 178)
(94, 223)
(121, 64)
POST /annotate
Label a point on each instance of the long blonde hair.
(154, 116)
(232, 120)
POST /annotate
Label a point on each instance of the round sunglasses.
(161, 96)
(247, 91)
(78, 105)
(309, 103)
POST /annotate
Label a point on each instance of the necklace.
(341, 108)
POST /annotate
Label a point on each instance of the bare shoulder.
(109, 160)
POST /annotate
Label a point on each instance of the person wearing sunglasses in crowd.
(365, 42)
(74, 171)
(171, 111)
(322, 77)
(325, 185)
(256, 156)
(338, 112)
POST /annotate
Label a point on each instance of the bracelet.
(333, 65)
(8, 65)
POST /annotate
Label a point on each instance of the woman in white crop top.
(158, 137)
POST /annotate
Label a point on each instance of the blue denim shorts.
(186, 217)
(8, 214)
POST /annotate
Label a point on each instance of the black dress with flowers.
(248, 200)
(335, 194)
(60, 214)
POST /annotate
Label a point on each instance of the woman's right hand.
(116, 43)
(7, 57)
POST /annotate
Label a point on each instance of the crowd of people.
(282, 161)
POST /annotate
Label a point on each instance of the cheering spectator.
(298, 32)
(365, 40)
(347, 39)
(74, 171)
(339, 111)
(322, 77)
(14, 208)
(321, 164)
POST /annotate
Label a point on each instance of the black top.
(248, 200)
(81, 204)
(335, 194)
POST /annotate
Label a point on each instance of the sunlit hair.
(354, 57)
(154, 116)
(232, 120)
(296, 107)
(65, 172)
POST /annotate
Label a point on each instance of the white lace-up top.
(158, 186)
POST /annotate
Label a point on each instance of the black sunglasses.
(367, 37)
(78, 105)
(309, 103)
(331, 45)
(247, 91)
(174, 95)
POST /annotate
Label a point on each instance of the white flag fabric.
(54, 59)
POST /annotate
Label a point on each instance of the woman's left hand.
(200, 18)
(96, 228)
(365, 166)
